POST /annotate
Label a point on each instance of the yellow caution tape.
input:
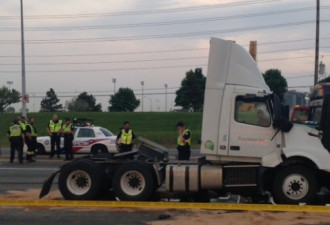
(167, 205)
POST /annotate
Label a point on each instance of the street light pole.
(142, 84)
(317, 42)
(114, 85)
(23, 65)
(165, 97)
(9, 84)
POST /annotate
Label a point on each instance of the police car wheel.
(294, 185)
(80, 180)
(99, 149)
(133, 181)
(40, 149)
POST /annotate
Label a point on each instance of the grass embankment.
(156, 126)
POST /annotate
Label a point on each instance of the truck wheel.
(133, 182)
(294, 185)
(80, 180)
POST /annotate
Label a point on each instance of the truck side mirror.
(281, 115)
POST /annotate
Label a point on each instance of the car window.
(86, 132)
(253, 112)
(106, 132)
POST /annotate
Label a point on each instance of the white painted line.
(31, 169)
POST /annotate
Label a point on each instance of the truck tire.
(294, 185)
(133, 181)
(81, 180)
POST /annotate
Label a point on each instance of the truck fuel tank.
(193, 178)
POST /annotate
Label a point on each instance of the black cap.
(180, 124)
(15, 121)
(67, 119)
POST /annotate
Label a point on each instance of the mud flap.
(47, 184)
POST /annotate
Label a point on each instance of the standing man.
(67, 130)
(31, 141)
(22, 123)
(16, 138)
(184, 142)
(54, 130)
(127, 138)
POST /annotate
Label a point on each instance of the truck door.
(251, 128)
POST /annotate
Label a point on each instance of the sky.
(74, 46)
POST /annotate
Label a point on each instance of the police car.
(87, 139)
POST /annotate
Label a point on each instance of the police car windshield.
(106, 132)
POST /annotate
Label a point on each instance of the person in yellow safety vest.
(31, 141)
(54, 130)
(183, 141)
(127, 139)
(67, 130)
(22, 123)
(16, 138)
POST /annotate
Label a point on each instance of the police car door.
(251, 128)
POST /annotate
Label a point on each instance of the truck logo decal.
(209, 145)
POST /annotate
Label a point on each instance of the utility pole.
(114, 85)
(24, 96)
(142, 84)
(253, 50)
(317, 42)
(165, 97)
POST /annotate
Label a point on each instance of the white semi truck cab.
(248, 147)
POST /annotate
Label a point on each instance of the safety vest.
(23, 125)
(15, 131)
(188, 141)
(55, 127)
(33, 131)
(67, 128)
(126, 138)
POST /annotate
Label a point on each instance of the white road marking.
(31, 169)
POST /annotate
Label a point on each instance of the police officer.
(31, 141)
(127, 138)
(183, 141)
(67, 130)
(22, 123)
(16, 138)
(54, 131)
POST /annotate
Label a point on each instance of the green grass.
(159, 127)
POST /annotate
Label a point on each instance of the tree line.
(190, 95)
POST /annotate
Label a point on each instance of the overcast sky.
(74, 46)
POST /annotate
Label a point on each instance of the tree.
(49, 103)
(84, 103)
(123, 101)
(276, 82)
(325, 80)
(191, 92)
(8, 97)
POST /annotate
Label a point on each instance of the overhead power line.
(155, 51)
(144, 12)
(159, 36)
(144, 60)
(140, 68)
(161, 23)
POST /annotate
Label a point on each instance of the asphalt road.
(21, 177)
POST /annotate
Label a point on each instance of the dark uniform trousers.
(125, 148)
(68, 146)
(55, 139)
(184, 152)
(16, 144)
(32, 146)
